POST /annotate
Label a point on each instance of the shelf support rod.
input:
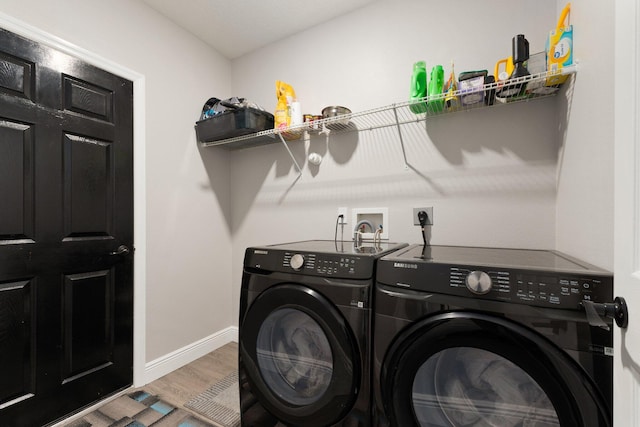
(404, 152)
(295, 162)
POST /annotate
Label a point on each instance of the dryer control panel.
(531, 277)
(528, 287)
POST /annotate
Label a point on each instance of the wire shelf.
(520, 89)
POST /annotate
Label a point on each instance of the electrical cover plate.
(377, 216)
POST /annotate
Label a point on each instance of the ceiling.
(237, 27)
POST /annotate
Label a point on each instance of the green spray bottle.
(418, 88)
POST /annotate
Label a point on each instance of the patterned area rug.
(139, 409)
(220, 403)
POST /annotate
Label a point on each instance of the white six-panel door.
(627, 210)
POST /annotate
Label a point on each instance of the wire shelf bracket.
(295, 162)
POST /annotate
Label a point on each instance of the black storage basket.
(233, 123)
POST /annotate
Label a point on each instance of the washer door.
(469, 369)
(300, 356)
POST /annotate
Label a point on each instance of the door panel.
(88, 196)
(16, 333)
(88, 99)
(66, 170)
(88, 323)
(16, 76)
(16, 180)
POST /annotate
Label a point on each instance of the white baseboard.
(185, 355)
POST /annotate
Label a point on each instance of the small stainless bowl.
(336, 111)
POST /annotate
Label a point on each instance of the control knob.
(478, 282)
(297, 262)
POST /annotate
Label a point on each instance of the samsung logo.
(260, 252)
(404, 265)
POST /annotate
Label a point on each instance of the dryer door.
(471, 369)
(300, 356)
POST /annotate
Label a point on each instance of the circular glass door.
(467, 369)
(300, 355)
(467, 386)
(294, 356)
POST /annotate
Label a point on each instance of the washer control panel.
(528, 287)
(323, 258)
(338, 265)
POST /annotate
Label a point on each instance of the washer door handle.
(406, 295)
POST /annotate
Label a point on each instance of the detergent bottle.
(508, 69)
(418, 87)
(514, 87)
(282, 115)
(559, 48)
(436, 86)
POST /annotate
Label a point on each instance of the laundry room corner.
(585, 202)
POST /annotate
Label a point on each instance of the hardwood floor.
(179, 386)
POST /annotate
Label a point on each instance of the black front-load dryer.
(304, 341)
(490, 337)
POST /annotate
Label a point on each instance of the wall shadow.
(528, 129)
(216, 164)
(342, 145)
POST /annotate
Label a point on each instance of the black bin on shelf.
(233, 123)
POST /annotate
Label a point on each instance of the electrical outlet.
(342, 211)
(429, 212)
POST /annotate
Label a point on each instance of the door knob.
(122, 250)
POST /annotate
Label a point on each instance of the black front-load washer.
(490, 337)
(305, 315)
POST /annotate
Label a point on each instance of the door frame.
(627, 209)
(139, 175)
